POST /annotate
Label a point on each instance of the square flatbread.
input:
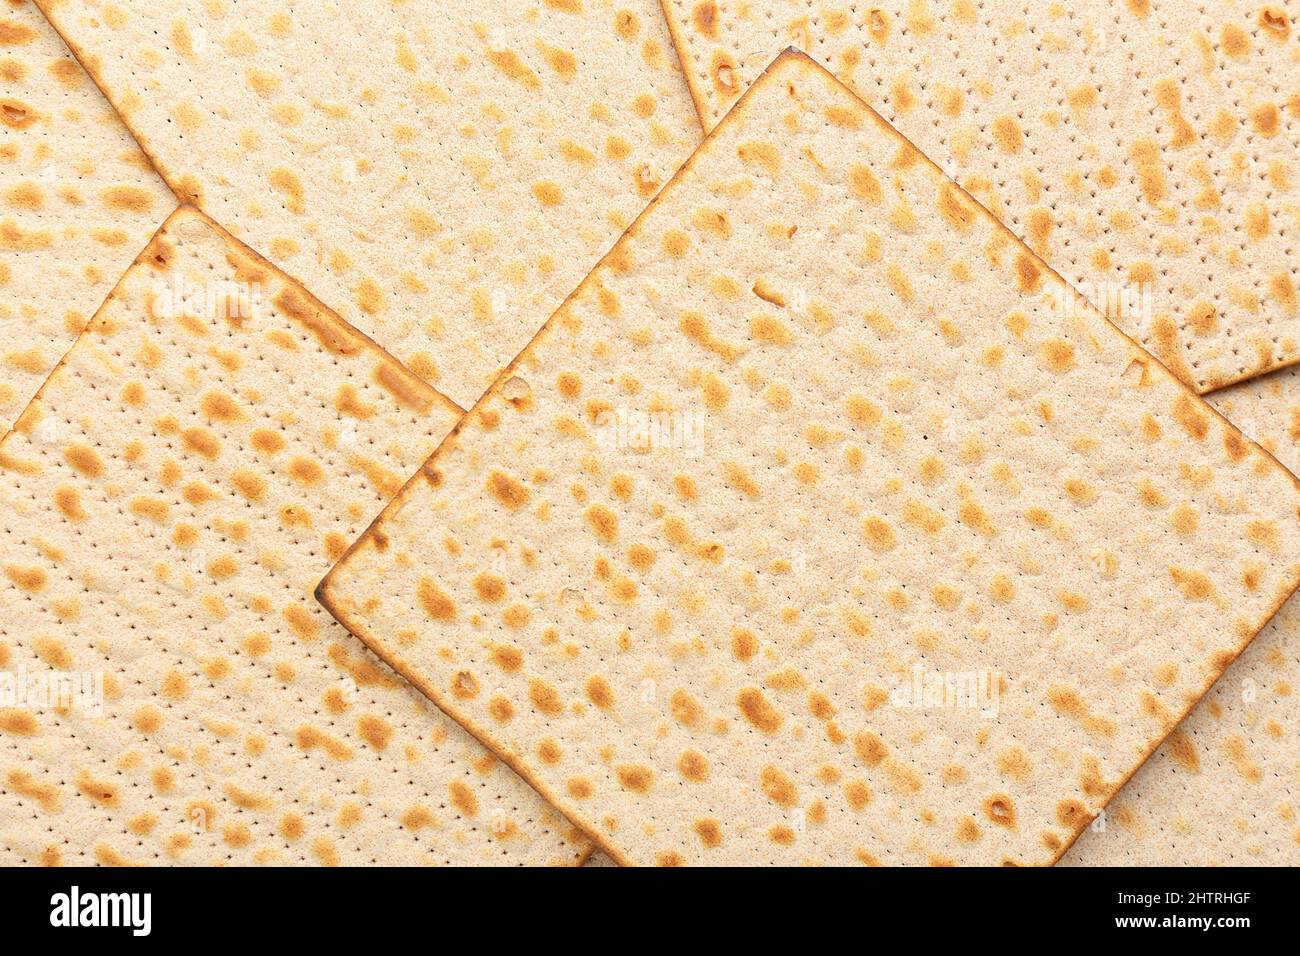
(438, 173)
(821, 524)
(1146, 149)
(1224, 788)
(78, 201)
(169, 691)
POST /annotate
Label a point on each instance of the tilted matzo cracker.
(1222, 790)
(183, 478)
(78, 201)
(438, 173)
(1146, 149)
(815, 432)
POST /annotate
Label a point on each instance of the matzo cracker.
(1146, 149)
(438, 173)
(169, 691)
(1222, 788)
(818, 526)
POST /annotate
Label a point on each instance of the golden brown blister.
(884, 444)
(208, 447)
(78, 201)
(1146, 149)
(440, 174)
(1220, 791)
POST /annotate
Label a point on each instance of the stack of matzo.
(817, 431)
(915, 459)
(78, 201)
(1134, 144)
(445, 189)
(209, 445)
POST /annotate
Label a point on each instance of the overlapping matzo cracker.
(1224, 789)
(171, 496)
(1137, 146)
(440, 174)
(78, 201)
(816, 428)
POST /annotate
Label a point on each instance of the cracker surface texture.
(1146, 149)
(78, 201)
(1221, 789)
(197, 460)
(439, 174)
(817, 431)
